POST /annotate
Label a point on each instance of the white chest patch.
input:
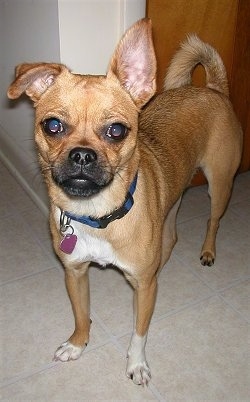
(91, 248)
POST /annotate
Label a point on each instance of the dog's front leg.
(137, 366)
(77, 284)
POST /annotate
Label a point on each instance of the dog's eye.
(116, 131)
(53, 126)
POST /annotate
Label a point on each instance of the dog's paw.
(207, 258)
(137, 366)
(67, 351)
(139, 373)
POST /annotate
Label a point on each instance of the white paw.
(67, 351)
(139, 373)
(137, 367)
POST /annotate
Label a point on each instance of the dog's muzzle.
(82, 174)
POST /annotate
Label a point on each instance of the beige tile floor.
(197, 345)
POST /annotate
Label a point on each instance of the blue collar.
(101, 223)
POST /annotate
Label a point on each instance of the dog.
(116, 159)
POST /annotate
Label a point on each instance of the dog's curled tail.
(192, 52)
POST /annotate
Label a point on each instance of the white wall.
(29, 32)
(90, 30)
(79, 33)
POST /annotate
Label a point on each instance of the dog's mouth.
(83, 173)
(81, 185)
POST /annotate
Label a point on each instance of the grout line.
(182, 308)
(26, 374)
(26, 276)
(235, 283)
(193, 272)
(234, 308)
(112, 337)
(222, 289)
(192, 218)
(237, 213)
(156, 392)
(215, 293)
(204, 282)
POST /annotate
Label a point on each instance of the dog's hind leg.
(77, 283)
(219, 164)
(220, 187)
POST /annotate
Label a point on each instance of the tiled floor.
(197, 344)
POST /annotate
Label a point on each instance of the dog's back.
(185, 126)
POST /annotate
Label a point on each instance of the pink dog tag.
(68, 243)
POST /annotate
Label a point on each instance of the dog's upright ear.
(134, 62)
(34, 79)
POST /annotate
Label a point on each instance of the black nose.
(83, 156)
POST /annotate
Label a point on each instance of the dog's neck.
(103, 222)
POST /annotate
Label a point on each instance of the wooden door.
(225, 25)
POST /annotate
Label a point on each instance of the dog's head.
(86, 126)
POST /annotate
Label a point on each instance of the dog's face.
(86, 126)
(86, 130)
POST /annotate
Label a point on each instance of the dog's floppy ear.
(134, 63)
(34, 79)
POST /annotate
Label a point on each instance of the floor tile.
(195, 202)
(242, 210)
(177, 287)
(112, 299)
(200, 354)
(39, 226)
(98, 376)
(13, 198)
(20, 252)
(239, 297)
(233, 251)
(36, 319)
(241, 188)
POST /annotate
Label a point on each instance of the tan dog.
(115, 189)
